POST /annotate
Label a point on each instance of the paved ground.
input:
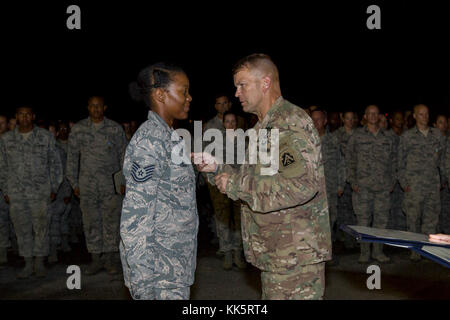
(401, 279)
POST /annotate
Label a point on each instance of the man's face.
(25, 117)
(371, 115)
(12, 124)
(319, 120)
(333, 119)
(63, 131)
(348, 119)
(3, 124)
(397, 120)
(383, 121)
(222, 105)
(96, 108)
(442, 124)
(248, 90)
(421, 115)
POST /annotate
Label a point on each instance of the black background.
(324, 51)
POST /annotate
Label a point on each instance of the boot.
(39, 268)
(95, 266)
(238, 259)
(228, 260)
(415, 257)
(3, 255)
(27, 270)
(365, 252)
(378, 254)
(53, 257)
(111, 263)
(65, 243)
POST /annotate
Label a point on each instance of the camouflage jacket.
(30, 168)
(95, 152)
(332, 160)
(342, 138)
(285, 221)
(419, 157)
(159, 221)
(371, 160)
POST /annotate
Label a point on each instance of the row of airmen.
(39, 176)
(396, 178)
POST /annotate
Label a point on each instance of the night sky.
(325, 53)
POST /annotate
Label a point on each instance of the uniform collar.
(274, 108)
(154, 116)
(91, 124)
(18, 135)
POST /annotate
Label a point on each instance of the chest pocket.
(40, 154)
(382, 151)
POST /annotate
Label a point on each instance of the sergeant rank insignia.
(140, 174)
(287, 159)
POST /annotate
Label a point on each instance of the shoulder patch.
(140, 174)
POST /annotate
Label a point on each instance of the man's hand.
(204, 161)
(439, 238)
(76, 192)
(52, 196)
(122, 189)
(355, 188)
(6, 198)
(407, 189)
(340, 193)
(221, 182)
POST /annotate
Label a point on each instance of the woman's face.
(178, 99)
(229, 122)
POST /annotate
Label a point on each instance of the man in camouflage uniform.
(285, 222)
(419, 158)
(230, 243)
(96, 150)
(30, 175)
(444, 218)
(60, 208)
(331, 161)
(371, 158)
(4, 210)
(346, 214)
(397, 217)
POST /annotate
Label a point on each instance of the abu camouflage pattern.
(159, 221)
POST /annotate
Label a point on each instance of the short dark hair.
(221, 94)
(251, 61)
(158, 75)
(226, 113)
(27, 106)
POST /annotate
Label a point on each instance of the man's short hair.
(417, 106)
(26, 106)
(257, 61)
(221, 94)
(372, 105)
(319, 109)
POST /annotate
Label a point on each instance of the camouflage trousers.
(4, 223)
(397, 219)
(101, 220)
(303, 283)
(345, 215)
(372, 208)
(75, 219)
(422, 209)
(150, 293)
(31, 222)
(332, 198)
(59, 224)
(444, 219)
(227, 215)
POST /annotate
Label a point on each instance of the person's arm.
(393, 163)
(439, 238)
(145, 166)
(73, 157)
(401, 162)
(351, 159)
(296, 182)
(3, 168)
(54, 165)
